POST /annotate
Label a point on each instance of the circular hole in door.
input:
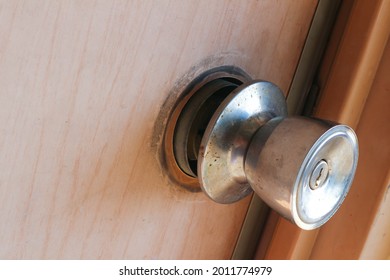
(189, 119)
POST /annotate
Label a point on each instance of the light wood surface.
(81, 86)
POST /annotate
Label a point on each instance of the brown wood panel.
(356, 62)
(362, 227)
(81, 86)
(354, 92)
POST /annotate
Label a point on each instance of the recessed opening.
(190, 117)
(193, 120)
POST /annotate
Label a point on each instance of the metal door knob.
(301, 167)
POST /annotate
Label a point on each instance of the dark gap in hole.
(232, 80)
(197, 112)
(202, 119)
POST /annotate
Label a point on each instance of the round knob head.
(303, 168)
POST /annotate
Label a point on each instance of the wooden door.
(82, 85)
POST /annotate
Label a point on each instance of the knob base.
(226, 139)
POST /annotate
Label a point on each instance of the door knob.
(301, 167)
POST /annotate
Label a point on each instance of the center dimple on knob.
(319, 175)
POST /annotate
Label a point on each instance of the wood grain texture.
(81, 86)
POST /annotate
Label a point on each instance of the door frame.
(344, 81)
(299, 94)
